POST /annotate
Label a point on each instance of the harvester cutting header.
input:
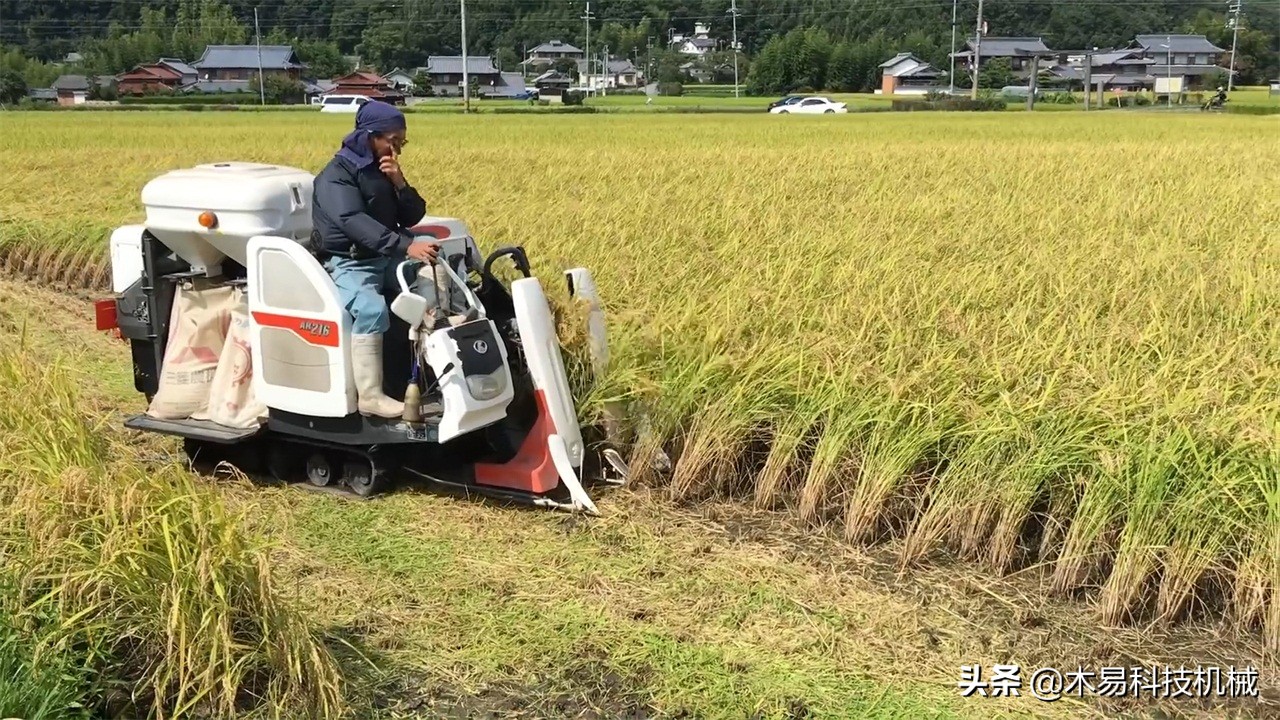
(253, 332)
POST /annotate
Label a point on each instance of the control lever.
(518, 257)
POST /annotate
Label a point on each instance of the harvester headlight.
(486, 387)
(208, 220)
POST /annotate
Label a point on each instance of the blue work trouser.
(362, 284)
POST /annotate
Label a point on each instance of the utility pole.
(466, 78)
(257, 37)
(648, 60)
(1031, 86)
(587, 17)
(977, 52)
(1088, 79)
(1169, 64)
(1235, 8)
(733, 10)
(604, 72)
(954, 7)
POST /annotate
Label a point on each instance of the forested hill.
(387, 33)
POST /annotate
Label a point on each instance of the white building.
(620, 74)
(699, 43)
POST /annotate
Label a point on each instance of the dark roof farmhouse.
(1193, 56)
(1018, 51)
(1190, 58)
(550, 51)
(445, 72)
(240, 62)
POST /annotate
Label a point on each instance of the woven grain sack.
(197, 332)
(231, 398)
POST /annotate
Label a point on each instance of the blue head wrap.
(374, 117)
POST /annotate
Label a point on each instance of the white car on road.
(816, 104)
(342, 103)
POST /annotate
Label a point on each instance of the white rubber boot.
(366, 361)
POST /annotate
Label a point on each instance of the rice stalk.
(145, 566)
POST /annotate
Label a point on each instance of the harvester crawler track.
(300, 463)
(360, 474)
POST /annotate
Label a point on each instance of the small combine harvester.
(241, 347)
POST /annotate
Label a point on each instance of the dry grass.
(1039, 338)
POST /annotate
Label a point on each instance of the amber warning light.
(208, 220)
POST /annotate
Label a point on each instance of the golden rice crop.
(1026, 338)
(132, 581)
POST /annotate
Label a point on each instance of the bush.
(211, 99)
(572, 97)
(12, 87)
(1129, 101)
(673, 89)
(1252, 109)
(27, 103)
(952, 104)
(572, 109)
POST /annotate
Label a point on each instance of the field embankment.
(1042, 342)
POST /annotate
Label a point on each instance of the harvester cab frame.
(488, 406)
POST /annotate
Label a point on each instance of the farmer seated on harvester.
(363, 209)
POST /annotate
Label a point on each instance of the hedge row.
(1252, 109)
(981, 104)
(211, 99)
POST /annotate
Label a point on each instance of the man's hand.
(390, 166)
(423, 251)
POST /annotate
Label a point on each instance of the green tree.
(196, 23)
(507, 59)
(567, 66)
(323, 59)
(842, 73)
(406, 32)
(422, 85)
(815, 53)
(1256, 60)
(12, 87)
(624, 40)
(99, 90)
(668, 66)
(995, 74)
(768, 71)
(279, 89)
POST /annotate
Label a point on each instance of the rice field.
(1039, 341)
